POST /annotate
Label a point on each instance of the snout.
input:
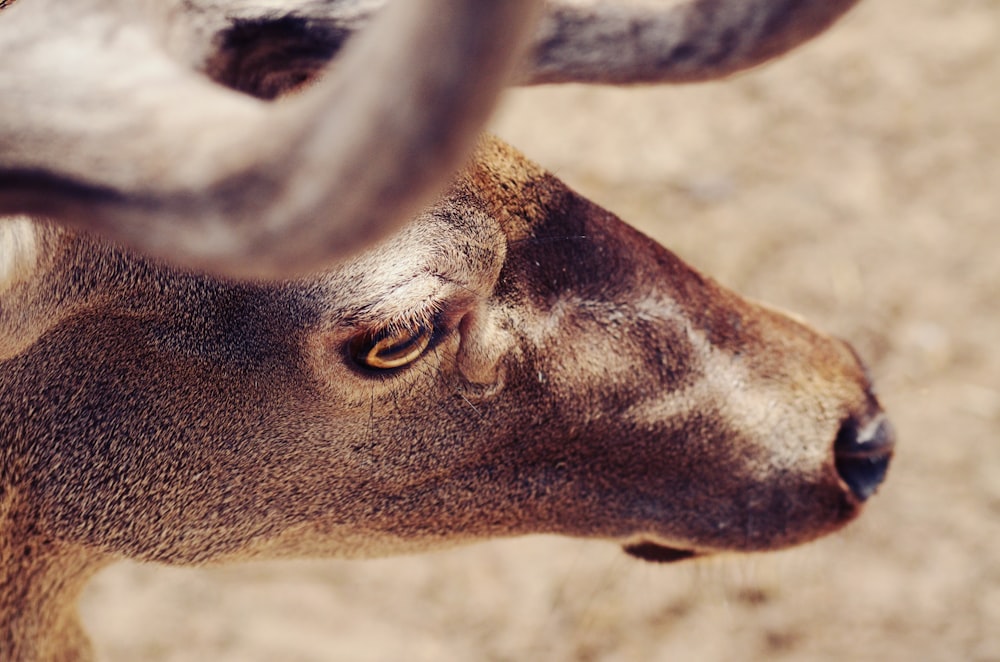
(812, 473)
(862, 452)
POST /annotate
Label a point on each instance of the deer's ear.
(26, 308)
(18, 252)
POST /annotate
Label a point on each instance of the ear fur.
(18, 251)
(25, 255)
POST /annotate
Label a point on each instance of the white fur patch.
(786, 421)
(18, 251)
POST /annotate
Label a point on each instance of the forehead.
(453, 246)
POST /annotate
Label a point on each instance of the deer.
(267, 291)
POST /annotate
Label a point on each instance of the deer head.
(234, 328)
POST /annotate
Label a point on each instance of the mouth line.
(656, 553)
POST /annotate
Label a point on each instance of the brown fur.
(583, 381)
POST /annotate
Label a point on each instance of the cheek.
(613, 358)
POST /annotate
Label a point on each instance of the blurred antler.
(622, 43)
(99, 127)
(625, 42)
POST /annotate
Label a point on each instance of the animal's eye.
(390, 348)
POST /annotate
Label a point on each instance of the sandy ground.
(857, 182)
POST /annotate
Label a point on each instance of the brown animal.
(513, 360)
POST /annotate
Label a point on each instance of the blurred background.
(856, 182)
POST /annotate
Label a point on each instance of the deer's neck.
(40, 581)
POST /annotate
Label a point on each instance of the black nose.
(862, 452)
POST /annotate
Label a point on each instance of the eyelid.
(430, 323)
(394, 349)
(396, 344)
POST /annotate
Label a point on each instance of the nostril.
(862, 454)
